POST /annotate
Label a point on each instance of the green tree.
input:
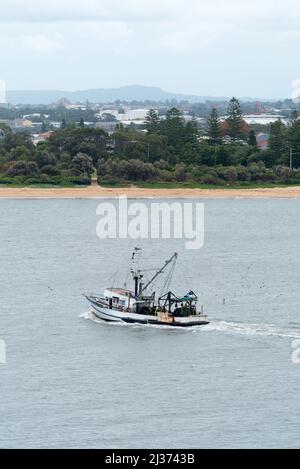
(155, 145)
(5, 129)
(294, 116)
(231, 174)
(278, 141)
(81, 123)
(234, 119)
(82, 163)
(63, 124)
(50, 170)
(21, 153)
(180, 173)
(214, 127)
(173, 128)
(74, 140)
(191, 131)
(23, 168)
(294, 143)
(45, 158)
(252, 139)
(152, 122)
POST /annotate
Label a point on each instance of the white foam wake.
(253, 329)
(241, 328)
(89, 316)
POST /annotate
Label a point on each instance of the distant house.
(106, 126)
(37, 126)
(22, 124)
(107, 112)
(38, 138)
(2, 134)
(262, 141)
(127, 117)
(55, 124)
(265, 119)
(134, 115)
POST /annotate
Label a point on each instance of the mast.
(135, 271)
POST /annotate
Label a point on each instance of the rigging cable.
(169, 277)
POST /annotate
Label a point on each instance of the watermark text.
(138, 220)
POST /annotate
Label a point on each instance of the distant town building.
(55, 124)
(38, 138)
(22, 124)
(106, 126)
(265, 119)
(34, 116)
(135, 115)
(76, 107)
(17, 124)
(109, 118)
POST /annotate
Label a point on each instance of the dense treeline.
(46, 115)
(67, 157)
(167, 150)
(172, 150)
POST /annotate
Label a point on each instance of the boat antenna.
(160, 271)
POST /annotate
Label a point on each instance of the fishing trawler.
(137, 307)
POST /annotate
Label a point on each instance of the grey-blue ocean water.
(71, 382)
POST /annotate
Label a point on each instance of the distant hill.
(126, 93)
(101, 95)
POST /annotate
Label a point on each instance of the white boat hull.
(112, 315)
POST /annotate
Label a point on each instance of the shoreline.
(98, 192)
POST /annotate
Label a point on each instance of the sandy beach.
(136, 192)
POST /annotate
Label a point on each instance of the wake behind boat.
(136, 307)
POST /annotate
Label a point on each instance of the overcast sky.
(203, 47)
